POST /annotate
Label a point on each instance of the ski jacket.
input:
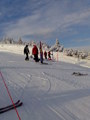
(26, 50)
(49, 53)
(45, 53)
(35, 50)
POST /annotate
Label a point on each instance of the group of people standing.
(35, 53)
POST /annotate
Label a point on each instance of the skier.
(49, 55)
(35, 53)
(41, 57)
(41, 53)
(26, 51)
(45, 54)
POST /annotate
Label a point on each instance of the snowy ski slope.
(48, 92)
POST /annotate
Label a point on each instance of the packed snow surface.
(48, 92)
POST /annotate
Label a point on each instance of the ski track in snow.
(48, 92)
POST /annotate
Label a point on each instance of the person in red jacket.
(35, 53)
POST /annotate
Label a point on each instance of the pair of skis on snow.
(10, 107)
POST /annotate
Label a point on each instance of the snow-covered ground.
(58, 56)
(48, 91)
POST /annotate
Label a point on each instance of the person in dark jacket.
(41, 53)
(45, 54)
(49, 55)
(35, 53)
(41, 56)
(26, 51)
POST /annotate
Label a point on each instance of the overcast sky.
(46, 20)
